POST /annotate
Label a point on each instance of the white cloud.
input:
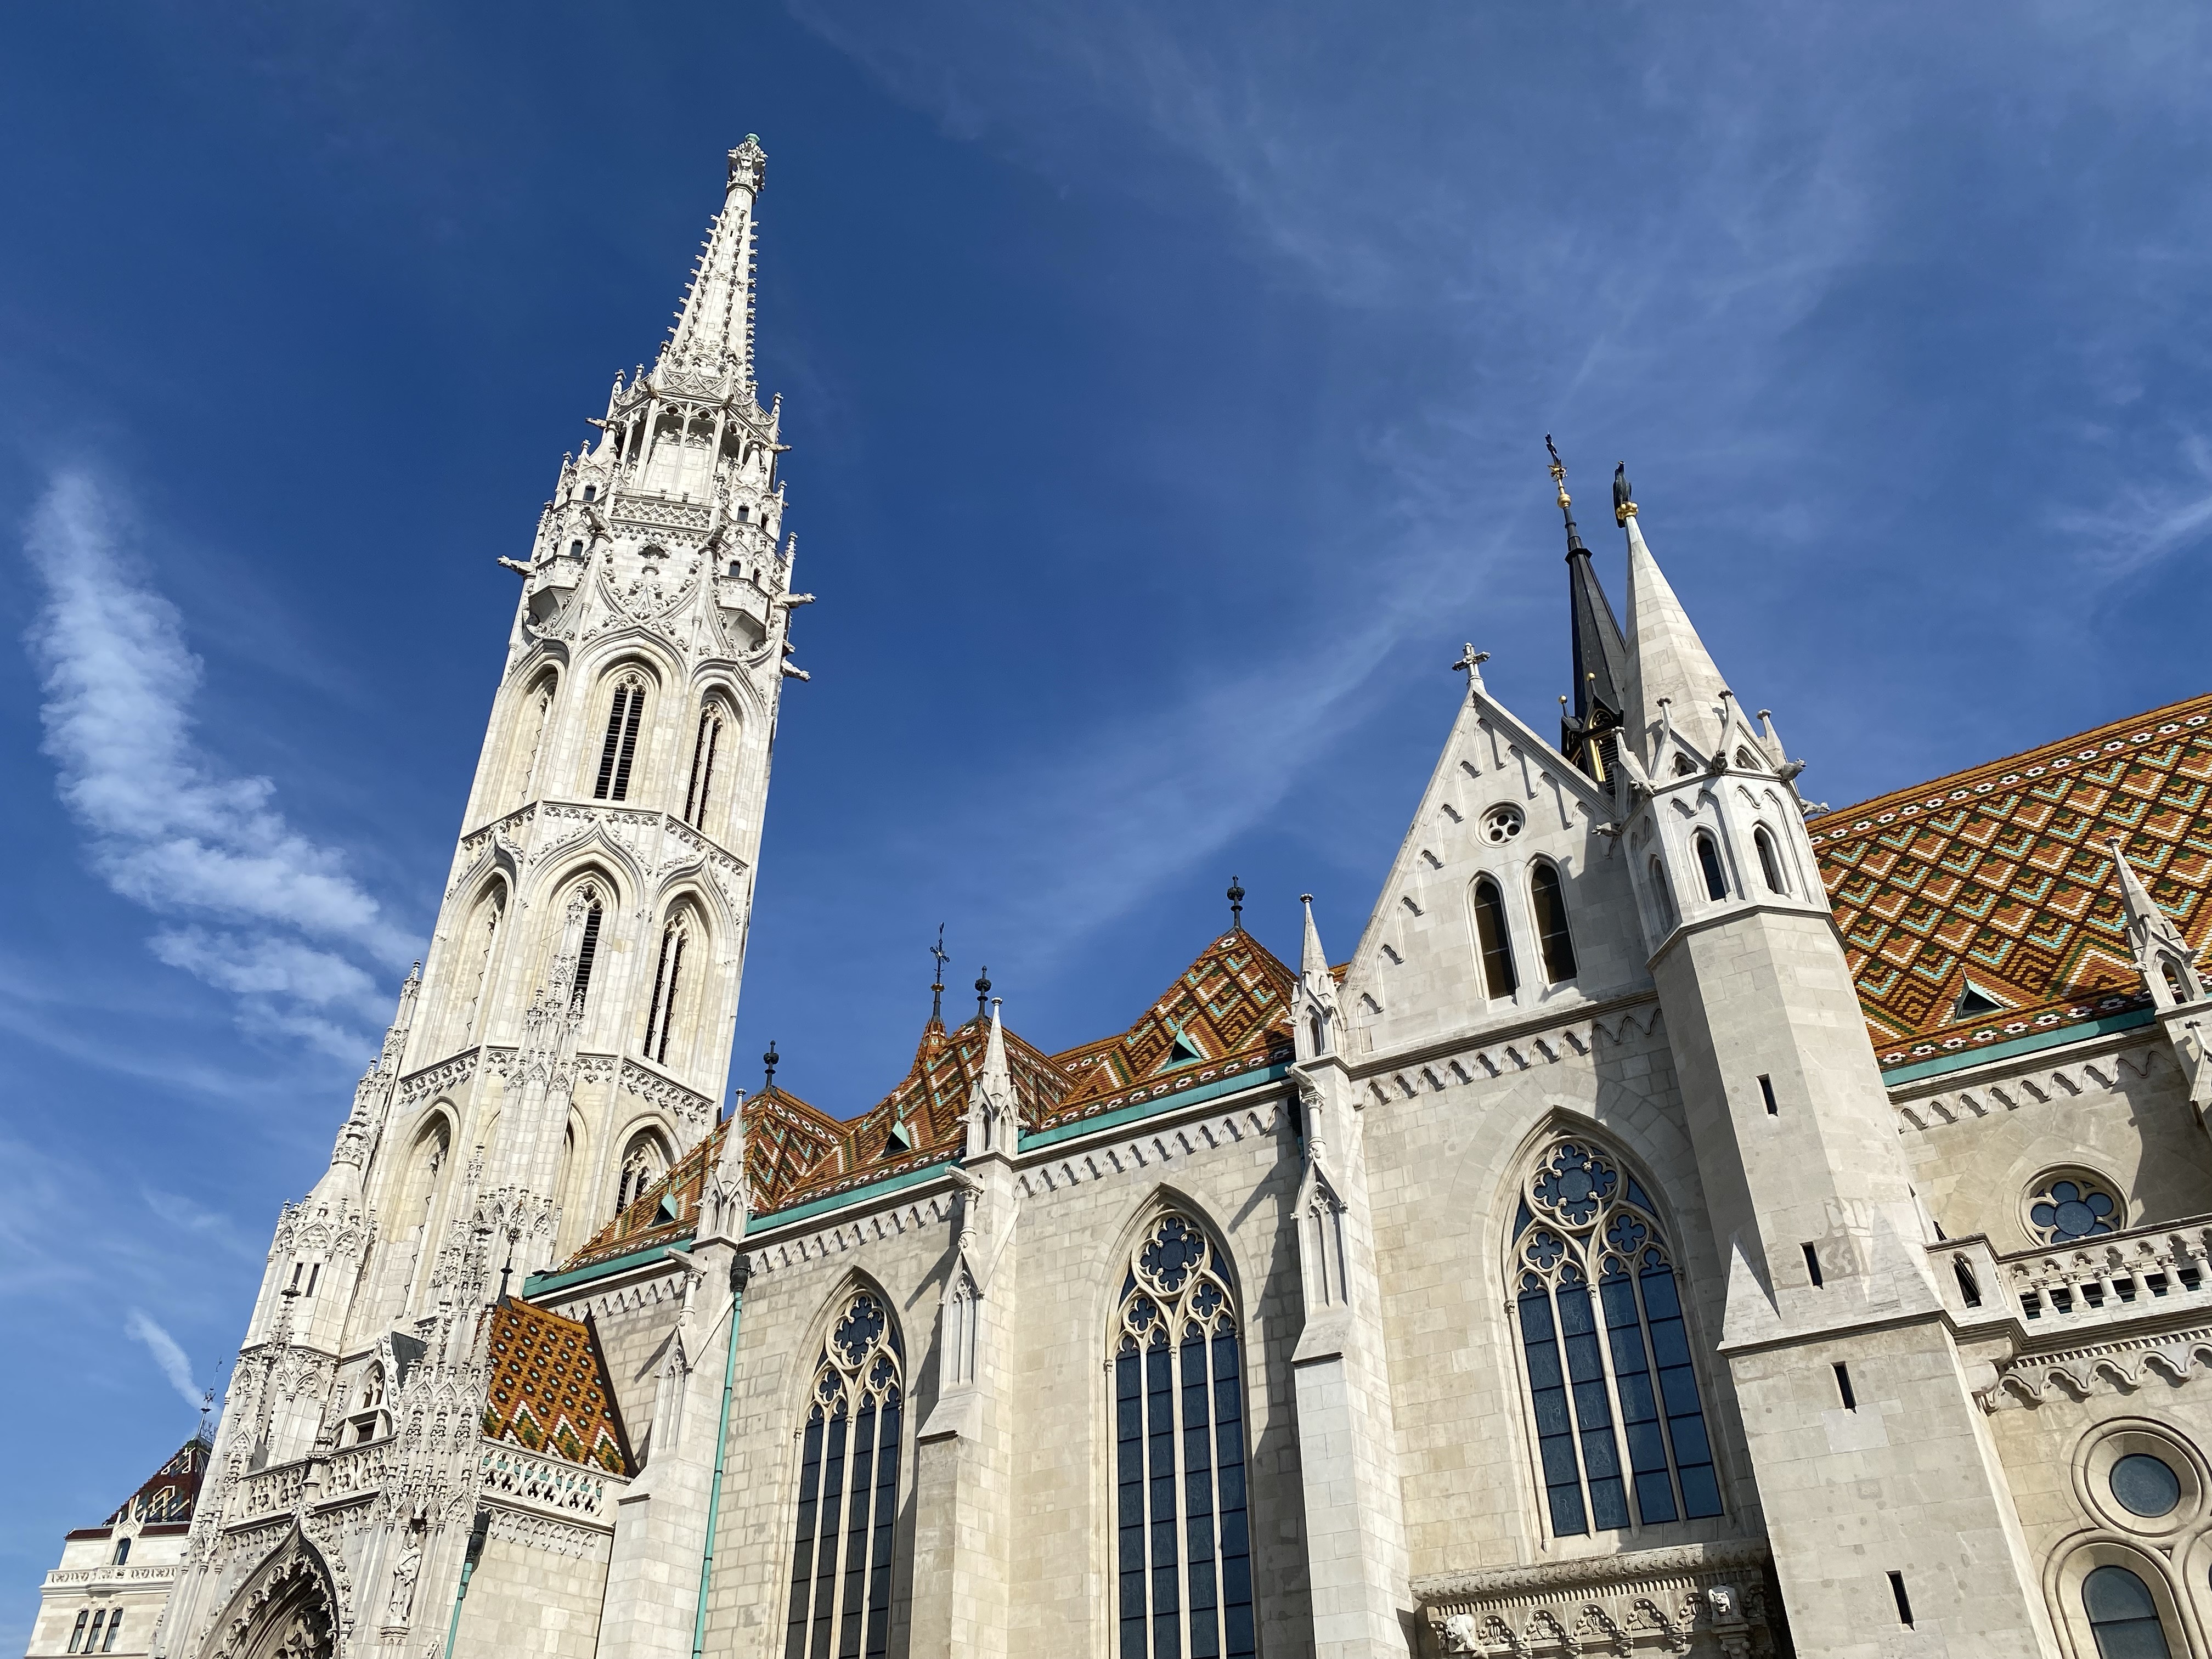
(166, 1354)
(171, 828)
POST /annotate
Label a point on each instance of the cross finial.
(1235, 906)
(1472, 660)
(937, 982)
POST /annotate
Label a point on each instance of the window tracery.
(841, 1563)
(1183, 1571)
(1606, 1351)
(618, 751)
(641, 1166)
(2073, 1205)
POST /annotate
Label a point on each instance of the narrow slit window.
(1496, 944)
(701, 788)
(1662, 896)
(1708, 864)
(1812, 1265)
(1554, 942)
(1903, 1602)
(1766, 1093)
(618, 751)
(587, 951)
(76, 1634)
(1769, 860)
(667, 979)
(1969, 1290)
(1843, 1386)
(114, 1629)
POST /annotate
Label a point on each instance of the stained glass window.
(1182, 1545)
(2074, 1205)
(2122, 1616)
(841, 1552)
(1621, 1432)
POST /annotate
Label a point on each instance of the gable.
(549, 1391)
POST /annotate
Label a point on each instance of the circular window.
(1501, 823)
(2073, 1205)
(2145, 1486)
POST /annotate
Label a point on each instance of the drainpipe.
(469, 1559)
(740, 1270)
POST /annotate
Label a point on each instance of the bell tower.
(567, 1036)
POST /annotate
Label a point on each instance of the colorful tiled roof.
(168, 1494)
(1226, 1014)
(1995, 885)
(550, 1391)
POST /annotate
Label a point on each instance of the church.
(1685, 1221)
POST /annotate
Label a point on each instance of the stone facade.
(1566, 1272)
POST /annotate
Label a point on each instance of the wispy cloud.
(166, 1354)
(171, 828)
(2150, 519)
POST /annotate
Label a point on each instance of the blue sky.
(1167, 386)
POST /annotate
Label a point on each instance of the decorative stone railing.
(1706, 1600)
(271, 1491)
(356, 1470)
(2109, 1279)
(548, 1485)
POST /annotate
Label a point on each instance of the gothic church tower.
(568, 1037)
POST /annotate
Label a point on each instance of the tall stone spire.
(1667, 659)
(1600, 653)
(1315, 1016)
(713, 335)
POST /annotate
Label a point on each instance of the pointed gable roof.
(550, 1391)
(1666, 657)
(166, 1496)
(2001, 874)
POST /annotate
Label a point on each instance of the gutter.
(740, 1270)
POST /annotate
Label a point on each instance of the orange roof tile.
(2000, 875)
(550, 1391)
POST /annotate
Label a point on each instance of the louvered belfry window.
(704, 751)
(842, 1554)
(619, 749)
(667, 981)
(1608, 1352)
(1182, 1545)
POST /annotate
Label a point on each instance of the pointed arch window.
(1769, 860)
(1183, 1568)
(483, 937)
(1554, 943)
(704, 751)
(1607, 1352)
(587, 944)
(618, 751)
(842, 1562)
(536, 719)
(667, 983)
(642, 1165)
(1709, 866)
(1495, 943)
(1662, 895)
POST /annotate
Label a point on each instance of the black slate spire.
(1601, 652)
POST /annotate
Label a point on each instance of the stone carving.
(1697, 1599)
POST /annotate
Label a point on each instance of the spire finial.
(937, 982)
(769, 1063)
(1623, 496)
(1235, 905)
(1566, 502)
(1472, 660)
(982, 991)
